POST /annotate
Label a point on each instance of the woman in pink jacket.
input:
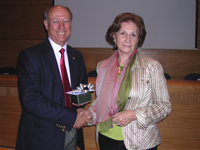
(132, 96)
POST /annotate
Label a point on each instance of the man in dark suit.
(46, 123)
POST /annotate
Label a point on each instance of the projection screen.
(170, 24)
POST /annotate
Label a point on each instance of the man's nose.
(61, 25)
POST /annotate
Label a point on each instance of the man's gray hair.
(47, 11)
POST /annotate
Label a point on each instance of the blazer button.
(63, 130)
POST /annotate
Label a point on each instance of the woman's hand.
(123, 118)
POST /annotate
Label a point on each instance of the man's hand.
(87, 114)
(81, 120)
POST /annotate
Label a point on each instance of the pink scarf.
(107, 87)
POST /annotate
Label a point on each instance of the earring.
(115, 46)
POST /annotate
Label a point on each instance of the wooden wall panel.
(22, 22)
(179, 131)
(26, 2)
(177, 63)
(9, 116)
(9, 111)
(9, 53)
(93, 55)
(22, 26)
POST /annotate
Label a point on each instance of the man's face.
(59, 25)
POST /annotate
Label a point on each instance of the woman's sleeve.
(161, 106)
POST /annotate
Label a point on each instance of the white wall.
(170, 24)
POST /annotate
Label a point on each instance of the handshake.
(83, 118)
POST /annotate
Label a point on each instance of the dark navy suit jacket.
(44, 114)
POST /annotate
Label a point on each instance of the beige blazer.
(149, 98)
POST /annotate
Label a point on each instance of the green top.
(115, 132)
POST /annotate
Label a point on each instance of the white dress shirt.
(56, 49)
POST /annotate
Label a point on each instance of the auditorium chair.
(92, 74)
(192, 76)
(167, 76)
(8, 70)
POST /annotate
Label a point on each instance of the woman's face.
(126, 38)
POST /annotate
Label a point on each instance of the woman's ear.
(114, 38)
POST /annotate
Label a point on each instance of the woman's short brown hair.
(126, 17)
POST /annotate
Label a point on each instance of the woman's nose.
(127, 38)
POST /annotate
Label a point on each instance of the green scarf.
(125, 86)
(123, 94)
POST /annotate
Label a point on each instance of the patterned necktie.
(65, 79)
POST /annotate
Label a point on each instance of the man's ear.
(46, 24)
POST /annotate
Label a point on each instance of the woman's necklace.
(121, 67)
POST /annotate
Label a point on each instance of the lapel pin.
(73, 57)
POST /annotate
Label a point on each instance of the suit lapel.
(52, 64)
(72, 65)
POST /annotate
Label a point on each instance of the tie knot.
(62, 50)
